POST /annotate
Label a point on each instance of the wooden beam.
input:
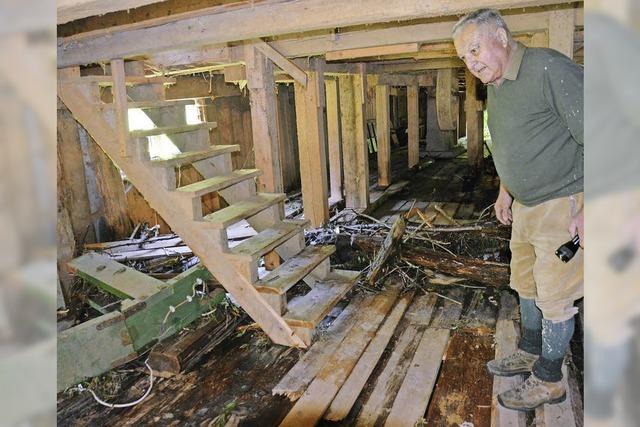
(367, 52)
(413, 124)
(354, 144)
(71, 10)
(289, 67)
(312, 141)
(315, 44)
(446, 87)
(219, 24)
(475, 123)
(334, 140)
(264, 110)
(561, 29)
(383, 135)
(429, 64)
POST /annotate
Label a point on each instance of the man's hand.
(577, 226)
(503, 206)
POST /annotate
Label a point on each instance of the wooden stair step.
(267, 240)
(189, 157)
(216, 183)
(169, 130)
(243, 209)
(308, 310)
(294, 269)
(129, 80)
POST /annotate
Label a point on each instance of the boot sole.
(508, 373)
(527, 409)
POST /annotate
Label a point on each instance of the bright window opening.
(160, 146)
(193, 114)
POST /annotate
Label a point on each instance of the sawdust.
(450, 406)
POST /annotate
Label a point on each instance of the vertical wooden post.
(383, 135)
(413, 124)
(264, 124)
(354, 143)
(120, 103)
(334, 140)
(561, 28)
(312, 141)
(475, 124)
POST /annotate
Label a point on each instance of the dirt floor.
(235, 380)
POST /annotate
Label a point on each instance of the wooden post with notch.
(413, 124)
(312, 141)
(475, 123)
(561, 29)
(120, 104)
(383, 135)
(354, 144)
(334, 140)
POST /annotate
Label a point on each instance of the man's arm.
(502, 206)
(563, 87)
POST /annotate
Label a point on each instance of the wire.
(81, 388)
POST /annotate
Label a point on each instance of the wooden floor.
(393, 358)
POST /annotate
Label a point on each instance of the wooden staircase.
(290, 323)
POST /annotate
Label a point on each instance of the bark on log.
(484, 272)
(387, 248)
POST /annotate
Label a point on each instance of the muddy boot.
(520, 362)
(532, 393)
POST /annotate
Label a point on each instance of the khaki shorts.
(536, 272)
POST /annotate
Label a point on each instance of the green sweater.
(536, 122)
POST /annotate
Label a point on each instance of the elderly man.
(535, 113)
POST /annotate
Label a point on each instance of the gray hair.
(482, 17)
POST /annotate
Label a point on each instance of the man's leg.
(558, 285)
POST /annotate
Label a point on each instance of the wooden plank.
(561, 31)
(446, 86)
(120, 105)
(145, 254)
(264, 122)
(334, 140)
(219, 25)
(376, 406)
(211, 185)
(189, 157)
(294, 269)
(339, 55)
(242, 210)
(71, 10)
(92, 348)
(168, 130)
(129, 80)
(114, 277)
(304, 371)
(346, 397)
(354, 145)
(309, 408)
(383, 134)
(506, 339)
(463, 390)
(310, 309)
(413, 397)
(312, 143)
(277, 58)
(413, 124)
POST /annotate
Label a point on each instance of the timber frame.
(343, 60)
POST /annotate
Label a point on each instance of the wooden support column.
(475, 123)
(312, 141)
(354, 144)
(264, 123)
(413, 124)
(334, 140)
(120, 104)
(383, 135)
(561, 28)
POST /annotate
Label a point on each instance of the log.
(484, 272)
(387, 248)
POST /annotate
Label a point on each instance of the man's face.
(483, 49)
